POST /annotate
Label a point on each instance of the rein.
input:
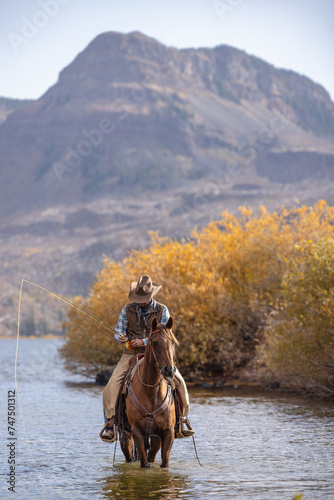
(150, 416)
(148, 385)
(156, 362)
(152, 349)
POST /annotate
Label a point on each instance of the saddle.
(136, 357)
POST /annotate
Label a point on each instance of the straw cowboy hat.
(143, 290)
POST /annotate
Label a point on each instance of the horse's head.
(162, 346)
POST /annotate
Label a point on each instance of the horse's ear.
(170, 323)
(154, 324)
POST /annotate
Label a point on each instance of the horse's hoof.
(164, 466)
(147, 466)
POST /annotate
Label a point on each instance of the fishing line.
(113, 462)
(16, 355)
(16, 387)
(17, 350)
(196, 452)
(71, 304)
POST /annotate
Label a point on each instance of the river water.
(252, 444)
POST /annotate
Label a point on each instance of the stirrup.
(183, 433)
(105, 438)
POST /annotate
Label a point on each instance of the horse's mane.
(168, 334)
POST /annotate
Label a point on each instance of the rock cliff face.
(8, 105)
(137, 136)
(129, 113)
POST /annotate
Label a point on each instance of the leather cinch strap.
(150, 416)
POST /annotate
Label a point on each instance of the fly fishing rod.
(107, 327)
(97, 320)
(67, 302)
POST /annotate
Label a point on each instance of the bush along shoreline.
(252, 298)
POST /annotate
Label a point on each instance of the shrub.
(299, 346)
(221, 285)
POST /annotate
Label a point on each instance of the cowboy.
(132, 330)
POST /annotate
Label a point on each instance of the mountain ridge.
(136, 137)
(168, 107)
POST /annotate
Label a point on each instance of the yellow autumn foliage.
(220, 286)
(299, 347)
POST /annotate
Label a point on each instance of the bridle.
(155, 359)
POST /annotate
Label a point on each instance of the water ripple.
(252, 444)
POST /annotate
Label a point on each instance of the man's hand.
(137, 343)
(123, 338)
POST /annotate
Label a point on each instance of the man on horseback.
(132, 330)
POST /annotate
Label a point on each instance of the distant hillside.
(136, 137)
(8, 105)
(130, 113)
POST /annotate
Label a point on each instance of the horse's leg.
(140, 444)
(155, 447)
(167, 443)
(127, 446)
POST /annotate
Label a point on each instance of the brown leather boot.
(181, 431)
(110, 434)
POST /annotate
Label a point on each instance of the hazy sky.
(39, 38)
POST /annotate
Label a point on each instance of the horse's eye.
(155, 344)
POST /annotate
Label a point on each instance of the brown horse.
(150, 404)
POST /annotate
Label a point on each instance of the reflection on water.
(252, 444)
(155, 483)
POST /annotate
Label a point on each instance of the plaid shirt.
(122, 323)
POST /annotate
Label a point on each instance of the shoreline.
(245, 380)
(32, 337)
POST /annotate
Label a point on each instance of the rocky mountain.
(8, 105)
(130, 112)
(137, 136)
